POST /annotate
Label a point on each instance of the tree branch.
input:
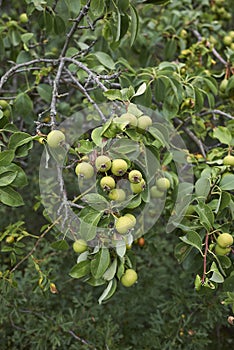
(82, 89)
(82, 14)
(14, 69)
(205, 257)
(192, 136)
(214, 51)
(218, 112)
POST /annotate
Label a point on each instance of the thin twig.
(81, 15)
(214, 51)
(218, 112)
(87, 70)
(81, 340)
(12, 70)
(192, 136)
(83, 90)
(205, 257)
(35, 245)
(53, 110)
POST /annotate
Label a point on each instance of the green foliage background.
(163, 310)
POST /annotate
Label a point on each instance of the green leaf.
(202, 187)
(140, 90)
(81, 269)
(125, 146)
(135, 202)
(45, 92)
(95, 282)
(97, 137)
(223, 201)
(26, 37)
(181, 251)
(6, 157)
(113, 94)
(74, 6)
(205, 214)
(100, 263)
(228, 285)
(10, 197)
(216, 276)
(105, 60)
(227, 182)
(7, 178)
(157, 2)
(192, 238)
(21, 179)
(110, 272)
(121, 268)
(89, 219)
(97, 7)
(60, 245)
(96, 201)
(23, 105)
(109, 291)
(158, 135)
(120, 248)
(18, 139)
(118, 31)
(222, 134)
(59, 25)
(134, 24)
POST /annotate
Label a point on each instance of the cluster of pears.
(128, 120)
(162, 184)
(4, 106)
(228, 39)
(223, 244)
(114, 170)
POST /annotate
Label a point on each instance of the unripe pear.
(3, 104)
(225, 240)
(183, 34)
(107, 183)
(144, 122)
(84, 170)
(117, 194)
(135, 176)
(227, 40)
(221, 251)
(139, 187)
(223, 85)
(128, 117)
(129, 278)
(231, 34)
(132, 217)
(10, 239)
(228, 160)
(123, 224)
(155, 193)
(119, 167)
(163, 184)
(23, 18)
(55, 138)
(103, 163)
(80, 246)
